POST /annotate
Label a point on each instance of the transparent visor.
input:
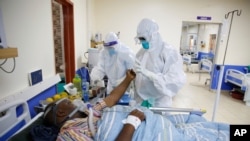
(139, 40)
(110, 44)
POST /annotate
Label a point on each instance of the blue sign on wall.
(203, 18)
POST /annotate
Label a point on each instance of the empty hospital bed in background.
(205, 65)
(241, 80)
(187, 60)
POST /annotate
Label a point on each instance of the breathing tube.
(90, 119)
(81, 106)
(69, 116)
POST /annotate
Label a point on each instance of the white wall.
(123, 16)
(28, 26)
(80, 28)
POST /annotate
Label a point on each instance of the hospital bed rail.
(172, 109)
(236, 77)
(205, 65)
(10, 117)
(187, 60)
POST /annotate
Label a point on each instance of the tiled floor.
(195, 94)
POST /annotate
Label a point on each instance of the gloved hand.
(139, 69)
(98, 83)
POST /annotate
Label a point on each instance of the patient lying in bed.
(74, 125)
(123, 123)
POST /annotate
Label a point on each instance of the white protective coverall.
(160, 72)
(114, 59)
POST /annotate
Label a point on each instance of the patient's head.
(56, 113)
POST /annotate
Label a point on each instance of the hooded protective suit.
(115, 58)
(159, 68)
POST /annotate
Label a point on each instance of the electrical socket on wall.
(35, 77)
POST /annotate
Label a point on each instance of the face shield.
(110, 41)
(110, 44)
(143, 42)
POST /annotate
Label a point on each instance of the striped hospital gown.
(77, 129)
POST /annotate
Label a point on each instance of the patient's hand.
(138, 114)
(130, 74)
(118, 91)
(128, 130)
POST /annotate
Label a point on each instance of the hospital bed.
(205, 65)
(237, 78)
(189, 124)
(241, 80)
(187, 60)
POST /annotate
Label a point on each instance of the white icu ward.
(132, 70)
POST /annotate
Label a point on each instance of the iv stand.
(221, 68)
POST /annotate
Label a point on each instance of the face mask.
(145, 44)
(111, 51)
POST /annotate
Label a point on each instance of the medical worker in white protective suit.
(114, 60)
(159, 67)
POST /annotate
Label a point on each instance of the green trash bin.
(60, 85)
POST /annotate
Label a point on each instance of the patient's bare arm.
(118, 91)
(128, 130)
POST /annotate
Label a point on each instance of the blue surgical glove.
(139, 69)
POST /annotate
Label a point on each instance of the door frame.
(68, 39)
(218, 38)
